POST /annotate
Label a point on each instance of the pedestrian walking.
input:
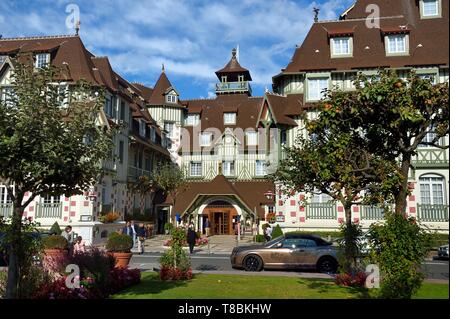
(128, 230)
(140, 232)
(268, 233)
(207, 226)
(191, 238)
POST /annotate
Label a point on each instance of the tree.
(395, 115)
(171, 179)
(336, 160)
(145, 185)
(47, 148)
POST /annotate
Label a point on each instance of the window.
(63, 95)
(121, 151)
(141, 128)
(321, 198)
(171, 98)
(396, 44)
(240, 78)
(153, 134)
(3, 58)
(228, 168)
(193, 119)
(316, 88)
(42, 60)
(205, 139)
(252, 138)
(428, 138)
(430, 8)
(283, 137)
(428, 76)
(224, 79)
(122, 111)
(168, 127)
(7, 95)
(229, 118)
(260, 168)
(108, 106)
(5, 198)
(51, 199)
(432, 190)
(196, 168)
(340, 46)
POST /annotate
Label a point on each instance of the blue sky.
(192, 38)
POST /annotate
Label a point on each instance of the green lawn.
(205, 286)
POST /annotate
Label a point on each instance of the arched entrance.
(221, 215)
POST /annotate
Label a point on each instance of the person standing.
(191, 238)
(140, 232)
(128, 230)
(68, 235)
(134, 235)
(269, 233)
(207, 226)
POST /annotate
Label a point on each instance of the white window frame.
(192, 119)
(47, 199)
(171, 98)
(432, 180)
(196, 169)
(229, 118)
(436, 14)
(337, 43)
(260, 168)
(319, 90)
(228, 168)
(203, 139)
(252, 138)
(42, 60)
(396, 51)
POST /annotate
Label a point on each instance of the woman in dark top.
(140, 233)
(191, 237)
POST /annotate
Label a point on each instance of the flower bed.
(198, 242)
(351, 280)
(172, 273)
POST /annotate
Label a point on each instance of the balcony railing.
(321, 211)
(228, 87)
(432, 213)
(134, 173)
(53, 210)
(430, 157)
(372, 212)
(6, 210)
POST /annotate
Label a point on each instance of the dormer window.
(229, 118)
(171, 98)
(397, 44)
(205, 139)
(430, 9)
(42, 60)
(240, 78)
(341, 47)
(224, 79)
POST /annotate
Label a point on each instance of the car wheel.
(253, 263)
(327, 265)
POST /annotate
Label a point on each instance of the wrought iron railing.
(432, 213)
(321, 211)
(242, 86)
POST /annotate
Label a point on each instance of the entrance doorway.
(221, 223)
(162, 218)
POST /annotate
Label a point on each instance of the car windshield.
(274, 241)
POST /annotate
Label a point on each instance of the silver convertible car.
(291, 251)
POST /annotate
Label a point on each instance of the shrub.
(55, 242)
(55, 229)
(351, 280)
(121, 278)
(175, 264)
(169, 227)
(400, 246)
(277, 232)
(259, 238)
(172, 273)
(119, 243)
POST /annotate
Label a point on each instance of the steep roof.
(250, 193)
(104, 73)
(160, 90)
(233, 67)
(428, 39)
(145, 91)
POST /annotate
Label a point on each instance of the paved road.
(436, 269)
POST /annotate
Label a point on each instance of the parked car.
(443, 251)
(291, 251)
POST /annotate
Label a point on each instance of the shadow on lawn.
(151, 284)
(327, 286)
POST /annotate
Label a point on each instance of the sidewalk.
(218, 244)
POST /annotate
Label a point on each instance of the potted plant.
(120, 246)
(55, 246)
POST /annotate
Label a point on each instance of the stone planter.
(122, 259)
(54, 257)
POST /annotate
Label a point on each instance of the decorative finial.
(266, 89)
(163, 69)
(316, 14)
(77, 27)
(233, 53)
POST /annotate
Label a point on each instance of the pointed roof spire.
(77, 27)
(316, 14)
(163, 69)
(233, 68)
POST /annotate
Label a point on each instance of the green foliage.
(119, 243)
(400, 246)
(259, 239)
(3, 278)
(169, 227)
(277, 232)
(55, 229)
(350, 248)
(264, 226)
(55, 242)
(175, 256)
(171, 179)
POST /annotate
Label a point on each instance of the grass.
(206, 286)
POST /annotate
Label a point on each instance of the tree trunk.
(13, 283)
(349, 240)
(401, 197)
